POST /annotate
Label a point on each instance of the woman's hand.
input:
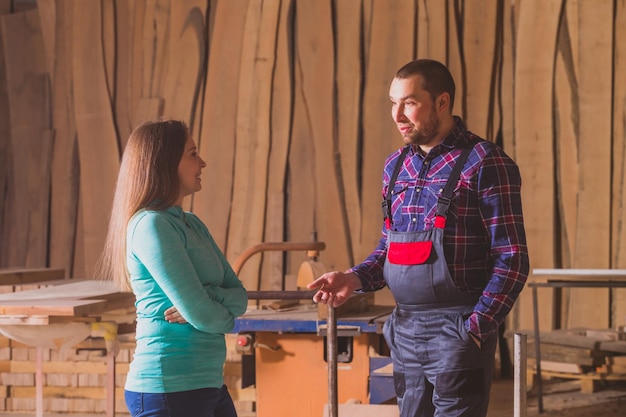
(173, 316)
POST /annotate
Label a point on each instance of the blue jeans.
(205, 402)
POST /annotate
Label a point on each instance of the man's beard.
(427, 132)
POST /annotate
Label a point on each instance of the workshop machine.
(304, 358)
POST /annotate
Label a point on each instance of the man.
(453, 250)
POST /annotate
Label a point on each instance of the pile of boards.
(591, 355)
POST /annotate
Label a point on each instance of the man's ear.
(444, 98)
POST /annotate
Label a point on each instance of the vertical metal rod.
(331, 343)
(519, 375)
(538, 380)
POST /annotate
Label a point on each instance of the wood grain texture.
(122, 97)
(97, 148)
(618, 213)
(567, 123)
(349, 77)
(315, 61)
(19, 276)
(593, 231)
(253, 135)
(65, 164)
(154, 40)
(380, 137)
(479, 57)
(5, 155)
(505, 96)
(534, 71)
(216, 140)
(77, 298)
(432, 34)
(300, 217)
(186, 59)
(273, 275)
(28, 93)
(47, 23)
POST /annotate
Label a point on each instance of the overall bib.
(438, 368)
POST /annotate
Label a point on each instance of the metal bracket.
(342, 331)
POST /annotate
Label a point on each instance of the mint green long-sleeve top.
(173, 261)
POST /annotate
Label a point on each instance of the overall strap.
(443, 203)
(387, 201)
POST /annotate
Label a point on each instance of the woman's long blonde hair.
(148, 178)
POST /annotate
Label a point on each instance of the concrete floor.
(561, 398)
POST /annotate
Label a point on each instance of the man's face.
(413, 110)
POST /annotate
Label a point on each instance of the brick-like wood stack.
(75, 379)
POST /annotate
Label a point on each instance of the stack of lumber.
(591, 355)
(75, 379)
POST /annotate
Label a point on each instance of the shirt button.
(414, 219)
(417, 190)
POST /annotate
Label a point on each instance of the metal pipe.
(273, 247)
(331, 356)
(538, 378)
(281, 295)
(519, 375)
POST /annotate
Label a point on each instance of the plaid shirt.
(484, 243)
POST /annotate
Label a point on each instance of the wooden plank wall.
(288, 102)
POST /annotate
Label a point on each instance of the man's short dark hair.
(436, 77)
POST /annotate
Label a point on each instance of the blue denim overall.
(438, 368)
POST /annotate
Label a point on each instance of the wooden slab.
(64, 178)
(618, 214)
(31, 140)
(273, 275)
(593, 229)
(76, 299)
(479, 45)
(124, 14)
(5, 137)
(253, 135)
(348, 76)
(314, 34)
(507, 86)
(388, 26)
(97, 139)
(74, 290)
(186, 43)
(51, 307)
(216, 141)
(533, 104)
(575, 274)
(567, 133)
(17, 276)
(432, 35)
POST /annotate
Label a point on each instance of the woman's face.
(189, 170)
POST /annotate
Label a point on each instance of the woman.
(168, 258)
